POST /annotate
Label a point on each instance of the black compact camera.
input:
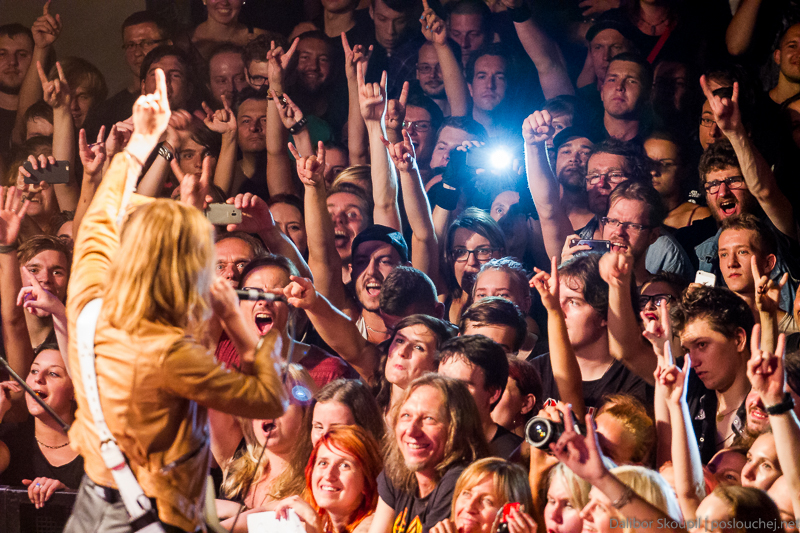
(541, 431)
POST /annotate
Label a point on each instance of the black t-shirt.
(28, 462)
(418, 515)
(504, 443)
(7, 118)
(617, 379)
(116, 109)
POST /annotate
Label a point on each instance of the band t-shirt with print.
(413, 514)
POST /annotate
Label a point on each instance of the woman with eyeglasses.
(473, 239)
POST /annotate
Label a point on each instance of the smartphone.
(705, 278)
(223, 214)
(508, 507)
(58, 173)
(597, 246)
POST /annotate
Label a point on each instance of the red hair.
(362, 446)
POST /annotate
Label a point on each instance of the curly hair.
(725, 311)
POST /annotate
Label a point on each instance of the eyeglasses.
(613, 178)
(481, 254)
(426, 70)
(419, 125)
(141, 45)
(707, 122)
(734, 182)
(258, 81)
(627, 226)
(657, 299)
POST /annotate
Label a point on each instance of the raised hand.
(768, 291)
(224, 302)
(277, 63)
(56, 92)
(311, 169)
(353, 57)
(12, 211)
(433, 27)
(659, 333)
(595, 7)
(193, 187)
(616, 268)
(151, 116)
(674, 380)
(256, 216)
(547, 286)
(221, 121)
(538, 127)
(765, 370)
(9, 390)
(402, 153)
(46, 28)
(92, 155)
(569, 251)
(371, 97)
(396, 111)
(37, 300)
(580, 454)
(300, 293)
(726, 110)
(289, 112)
(119, 137)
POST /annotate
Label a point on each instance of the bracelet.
(8, 249)
(623, 500)
(298, 126)
(780, 408)
(521, 13)
(165, 152)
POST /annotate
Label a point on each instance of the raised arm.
(93, 158)
(16, 341)
(424, 246)
(756, 171)
(335, 328)
(659, 333)
(256, 218)
(152, 182)
(45, 32)
(625, 341)
(372, 97)
(295, 122)
(739, 34)
(279, 165)
(223, 121)
(689, 481)
(36, 299)
(455, 86)
(566, 371)
(57, 95)
(768, 297)
(543, 51)
(323, 259)
(356, 129)
(767, 375)
(556, 227)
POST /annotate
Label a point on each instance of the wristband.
(623, 500)
(446, 198)
(780, 408)
(8, 249)
(521, 13)
(298, 126)
(164, 152)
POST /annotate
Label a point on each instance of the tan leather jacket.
(155, 387)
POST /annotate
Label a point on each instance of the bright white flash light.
(500, 159)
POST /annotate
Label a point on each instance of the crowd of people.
(505, 252)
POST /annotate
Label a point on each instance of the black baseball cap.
(377, 232)
(625, 28)
(570, 133)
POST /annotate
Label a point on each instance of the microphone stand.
(33, 394)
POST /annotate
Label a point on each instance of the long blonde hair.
(651, 487)
(244, 471)
(163, 269)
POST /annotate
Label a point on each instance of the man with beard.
(16, 52)
(738, 180)
(317, 92)
(573, 149)
(625, 93)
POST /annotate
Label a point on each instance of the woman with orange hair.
(341, 483)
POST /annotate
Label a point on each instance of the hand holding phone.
(51, 171)
(705, 278)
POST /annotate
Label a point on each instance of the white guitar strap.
(136, 503)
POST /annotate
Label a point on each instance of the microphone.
(254, 295)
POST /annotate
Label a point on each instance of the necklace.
(721, 416)
(653, 27)
(50, 447)
(374, 330)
